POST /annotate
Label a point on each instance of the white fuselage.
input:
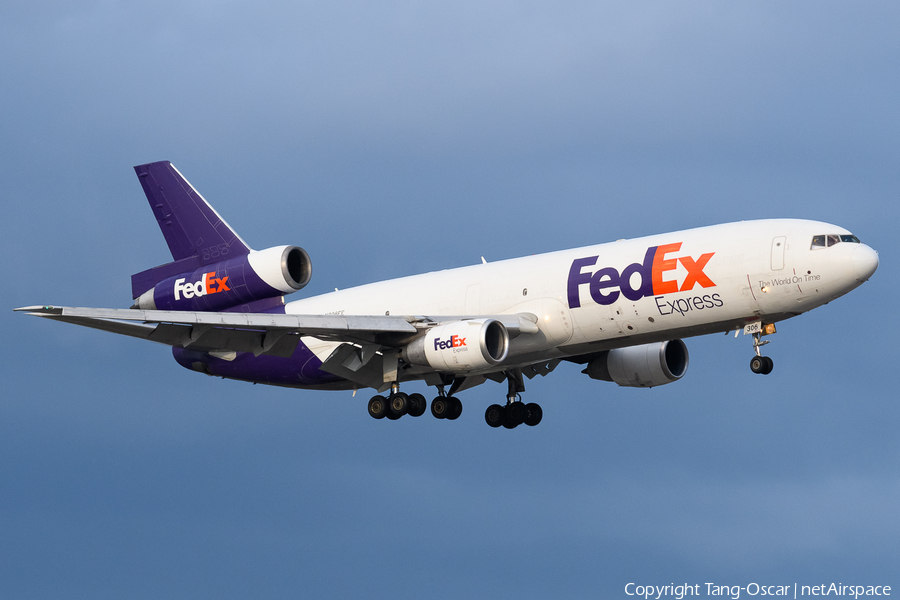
(704, 280)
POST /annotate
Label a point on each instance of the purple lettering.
(602, 279)
(645, 271)
(577, 278)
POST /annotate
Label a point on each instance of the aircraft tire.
(398, 405)
(455, 408)
(440, 407)
(494, 415)
(378, 407)
(516, 413)
(770, 364)
(417, 405)
(757, 364)
(535, 414)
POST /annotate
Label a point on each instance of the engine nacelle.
(256, 276)
(460, 346)
(648, 365)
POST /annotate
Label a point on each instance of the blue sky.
(395, 138)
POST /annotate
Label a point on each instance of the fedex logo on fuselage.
(606, 284)
(208, 284)
(454, 341)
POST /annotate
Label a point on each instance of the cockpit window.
(823, 241)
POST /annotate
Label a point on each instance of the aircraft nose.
(865, 259)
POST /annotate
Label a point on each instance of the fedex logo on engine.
(605, 285)
(208, 284)
(453, 342)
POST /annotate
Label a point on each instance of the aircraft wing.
(259, 333)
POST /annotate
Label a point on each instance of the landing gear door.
(778, 245)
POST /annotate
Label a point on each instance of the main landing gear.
(449, 407)
(446, 407)
(398, 404)
(761, 364)
(515, 412)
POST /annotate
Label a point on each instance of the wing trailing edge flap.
(531, 371)
(362, 365)
(205, 338)
(542, 368)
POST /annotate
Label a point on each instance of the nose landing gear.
(760, 364)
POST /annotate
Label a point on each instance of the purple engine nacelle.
(256, 276)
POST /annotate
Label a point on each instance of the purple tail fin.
(194, 231)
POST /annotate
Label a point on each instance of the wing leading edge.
(259, 333)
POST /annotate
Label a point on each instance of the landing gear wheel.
(417, 405)
(516, 413)
(398, 404)
(761, 364)
(378, 407)
(494, 415)
(535, 414)
(757, 364)
(440, 407)
(455, 408)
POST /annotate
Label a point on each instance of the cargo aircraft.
(620, 309)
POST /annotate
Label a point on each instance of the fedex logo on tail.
(606, 284)
(453, 342)
(208, 284)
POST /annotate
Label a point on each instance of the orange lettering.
(660, 265)
(695, 272)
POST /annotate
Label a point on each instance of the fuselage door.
(778, 245)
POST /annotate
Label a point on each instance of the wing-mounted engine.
(648, 365)
(460, 346)
(255, 276)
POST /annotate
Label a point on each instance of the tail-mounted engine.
(460, 346)
(648, 365)
(239, 280)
